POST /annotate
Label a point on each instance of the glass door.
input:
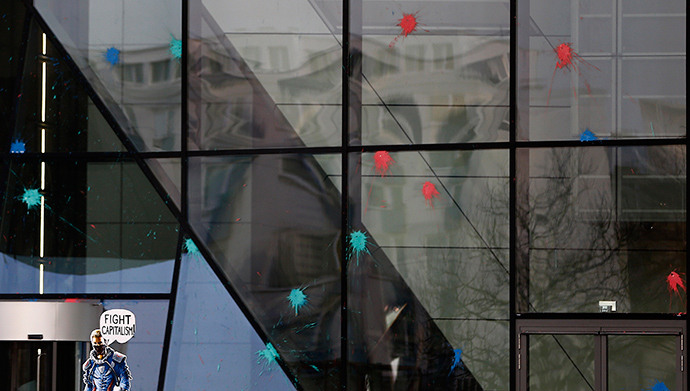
(601, 355)
(40, 365)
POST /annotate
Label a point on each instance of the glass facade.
(355, 194)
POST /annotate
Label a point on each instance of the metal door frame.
(600, 329)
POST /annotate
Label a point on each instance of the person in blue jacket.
(105, 368)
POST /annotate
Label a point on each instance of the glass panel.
(131, 60)
(436, 199)
(267, 78)
(281, 252)
(88, 228)
(145, 350)
(586, 67)
(434, 73)
(426, 246)
(11, 27)
(212, 343)
(54, 112)
(484, 346)
(169, 174)
(642, 362)
(605, 224)
(561, 362)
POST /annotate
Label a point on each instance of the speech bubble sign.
(118, 325)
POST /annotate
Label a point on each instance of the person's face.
(98, 345)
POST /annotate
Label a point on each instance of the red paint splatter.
(430, 192)
(567, 58)
(383, 161)
(674, 281)
(408, 23)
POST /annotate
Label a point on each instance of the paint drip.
(267, 357)
(457, 360)
(357, 244)
(429, 191)
(566, 58)
(18, 146)
(587, 135)
(408, 24)
(297, 299)
(175, 48)
(382, 162)
(112, 55)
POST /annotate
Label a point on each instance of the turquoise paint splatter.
(587, 135)
(191, 247)
(307, 326)
(457, 360)
(112, 55)
(31, 197)
(297, 299)
(357, 244)
(267, 356)
(18, 146)
(175, 47)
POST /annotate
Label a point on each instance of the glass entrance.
(40, 366)
(600, 355)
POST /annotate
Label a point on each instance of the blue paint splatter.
(175, 47)
(268, 356)
(112, 55)
(18, 146)
(659, 386)
(457, 360)
(190, 246)
(297, 299)
(357, 244)
(587, 135)
(31, 197)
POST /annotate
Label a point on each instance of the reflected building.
(232, 196)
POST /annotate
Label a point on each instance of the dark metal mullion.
(85, 296)
(345, 199)
(184, 127)
(601, 362)
(516, 340)
(165, 354)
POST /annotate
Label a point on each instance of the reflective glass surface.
(130, 58)
(273, 224)
(264, 79)
(54, 112)
(145, 349)
(604, 224)
(429, 257)
(213, 345)
(561, 362)
(86, 228)
(613, 68)
(643, 362)
(433, 72)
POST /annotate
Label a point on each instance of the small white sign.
(118, 325)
